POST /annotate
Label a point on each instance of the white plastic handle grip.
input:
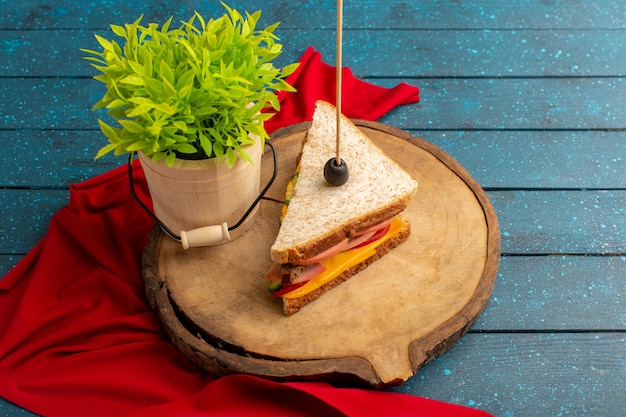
(205, 236)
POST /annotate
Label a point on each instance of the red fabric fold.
(78, 339)
(315, 80)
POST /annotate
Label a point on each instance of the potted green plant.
(191, 101)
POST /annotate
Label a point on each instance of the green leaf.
(218, 149)
(141, 100)
(132, 127)
(171, 157)
(147, 63)
(186, 148)
(155, 129)
(91, 52)
(187, 79)
(274, 102)
(137, 67)
(180, 125)
(231, 157)
(182, 139)
(168, 88)
(165, 108)
(154, 87)
(133, 80)
(290, 69)
(118, 30)
(166, 25)
(140, 110)
(166, 72)
(108, 131)
(107, 45)
(205, 111)
(105, 150)
(117, 114)
(138, 146)
(256, 129)
(116, 104)
(158, 156)
(205, 144)
(245, 156)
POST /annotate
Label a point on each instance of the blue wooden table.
(528, 95)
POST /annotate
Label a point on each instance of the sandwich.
(328, 234)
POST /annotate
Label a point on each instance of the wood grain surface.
(381, 325)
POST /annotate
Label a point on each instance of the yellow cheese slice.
(344, 260)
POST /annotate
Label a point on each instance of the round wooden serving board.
(380, 326)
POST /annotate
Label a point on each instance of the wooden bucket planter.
(198, 193)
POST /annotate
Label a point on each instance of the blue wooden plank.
(479, 14)
(531, 159)
(7, 262)
(471, 53)
(447, 104)
(405, 53)
(49, 103)
(503, 104)
(496, 159)
(531, 222)
(557, 293)
(530, 375)
(8, 409)
(25, 217)
(52, 158)
(561, 222)
(548, 293)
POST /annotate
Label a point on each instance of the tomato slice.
(284, 289)
(328, 253)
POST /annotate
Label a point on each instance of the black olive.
(336, 174)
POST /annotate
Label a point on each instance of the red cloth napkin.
(315, 80)
(77, 338)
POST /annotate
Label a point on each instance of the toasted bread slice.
(321, 215)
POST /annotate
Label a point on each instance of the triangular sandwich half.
(329, 233)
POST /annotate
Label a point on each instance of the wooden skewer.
(338, 80)
(336, 170)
